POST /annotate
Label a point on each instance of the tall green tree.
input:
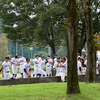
(37, 22)
(72, 76)
(91, 60)
(3, 47)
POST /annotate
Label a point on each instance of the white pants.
(57, 73)
(62, 74)
(35, 70)
(21, 68)
(97, 72)
(14, 69)
(25, 75)
(48, 70)
(7, 75)
(41, 71)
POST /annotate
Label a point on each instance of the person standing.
(21, 61)
(27, 69)
(63, 66)
(55, 67)
(6, 69)
(39, 59)
(85, 61)
(55, 58)
(36, 64)
(49, 65)
(41, 72)
(79, 66)
(97, 66)
(14, 63)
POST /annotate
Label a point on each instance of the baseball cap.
(48, 55)
(78, 57)
(6, 57)
(55, 55)
(42, 56)
(58, 57)
(16, 56)
(64, 58)
(78, 53)
(36, 55)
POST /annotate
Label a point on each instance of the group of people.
(82, 64)
(14, 63)
(58, 64)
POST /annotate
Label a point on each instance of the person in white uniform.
(14, 63)
(55, 67)
(97, 66)
(48, 66)
(21, 61)
(39, 59)
(27, 69)
(6, 69)
(66, 58)
(36, 64)
(63, 67)
(55, 58)
(79, 66)
(85, 61)
(41, 72)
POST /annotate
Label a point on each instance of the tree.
(91, 60)
(32, 25)
(48, 32)
(72, 76)
(3, 47)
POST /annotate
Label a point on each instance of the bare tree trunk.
(72, 76)
(91, 63)
(53, 50)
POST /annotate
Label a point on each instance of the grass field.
(49, 91)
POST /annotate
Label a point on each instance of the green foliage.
(3, 47)
(38, 23)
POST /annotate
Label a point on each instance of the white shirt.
(66, 60)
(97, 64)
(63, 69)
(85, 62)
(42, 64)
(6, 66)
(39, 60)
(55, 66)
(48, 63)
(27, 66)
(55, 59)
(78, 65)
(14, 61)
(36, 61)
(22, 59)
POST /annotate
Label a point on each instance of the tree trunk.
(91, 64)
(53, 50)
(72, 76)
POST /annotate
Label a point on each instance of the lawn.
(49, 91)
